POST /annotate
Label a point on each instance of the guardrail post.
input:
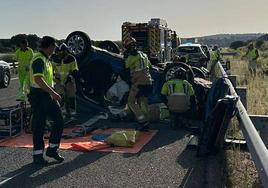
(242, 93)
(261, 124)
(255, 144)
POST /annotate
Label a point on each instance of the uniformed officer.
(44, 102)
(215, 57)
(252, 56)
(24, 56)
(141, 83)
(178, 94)
(66, 72)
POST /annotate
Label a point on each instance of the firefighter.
(215, 57)
(178, 94)
(24, 56)
(252, 56)
(66, 72)
(44, 102)
(141, 83)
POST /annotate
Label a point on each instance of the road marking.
(6, 180)
(14, 78)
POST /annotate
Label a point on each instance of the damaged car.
(100, 67)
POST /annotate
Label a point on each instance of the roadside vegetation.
(241, 171)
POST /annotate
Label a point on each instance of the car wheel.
(78, 43)
(172, 67)
(6, 79)
(109, 46)
(198, 72)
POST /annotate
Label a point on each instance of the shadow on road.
(195, 169)
(23, 176)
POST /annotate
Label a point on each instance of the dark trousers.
(44, 106)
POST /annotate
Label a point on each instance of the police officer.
(252, 56)
(24, 56)
(186, 104)
(66, 72)
(44, 102)
(141, 83)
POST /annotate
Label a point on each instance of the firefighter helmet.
(180, 73)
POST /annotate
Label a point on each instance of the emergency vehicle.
(153, 38)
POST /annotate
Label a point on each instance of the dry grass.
(257, 88)
(240, 167)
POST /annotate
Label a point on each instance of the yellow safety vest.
(47, 71)
(177, 86)
(216, 56)
(24, 57)
(138, 62)
(252, 54)
(63, 69)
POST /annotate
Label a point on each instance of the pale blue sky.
(102, 19)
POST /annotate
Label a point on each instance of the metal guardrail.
(255, 144)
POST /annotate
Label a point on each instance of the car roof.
(190, 44)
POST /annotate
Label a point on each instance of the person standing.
(66, 72)
(252, 56)
(44, 102)
(215, 57)
(24, 56)
(138, 65)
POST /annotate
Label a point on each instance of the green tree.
(237, 44)
(32, 40)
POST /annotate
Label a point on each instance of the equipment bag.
(123, 138)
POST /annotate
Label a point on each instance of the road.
(163, 162)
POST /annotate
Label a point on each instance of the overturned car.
(99, 68)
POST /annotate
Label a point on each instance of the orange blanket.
(83, 143)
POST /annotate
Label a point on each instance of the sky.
(102, 19)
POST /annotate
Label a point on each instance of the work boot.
(53, 153)
(39, 160)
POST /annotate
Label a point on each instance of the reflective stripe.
(38, 152)
(53, 145)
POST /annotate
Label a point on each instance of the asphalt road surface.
(163, 162)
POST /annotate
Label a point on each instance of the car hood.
(4, 64)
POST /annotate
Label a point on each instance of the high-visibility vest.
(47, 71)
(216, 56)
(177, 86)
(252, 54)
(138, 62)
(24, 57)
(63, 69)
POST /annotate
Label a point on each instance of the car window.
(188, 49)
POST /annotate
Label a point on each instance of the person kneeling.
(178, 94)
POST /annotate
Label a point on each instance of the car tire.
(79, 43)
(198, 72)
(5, 80)
(172, 67)
(109, 46)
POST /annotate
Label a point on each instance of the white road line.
(14, 78)
(6, 180)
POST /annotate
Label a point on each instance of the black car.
(4, 74)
